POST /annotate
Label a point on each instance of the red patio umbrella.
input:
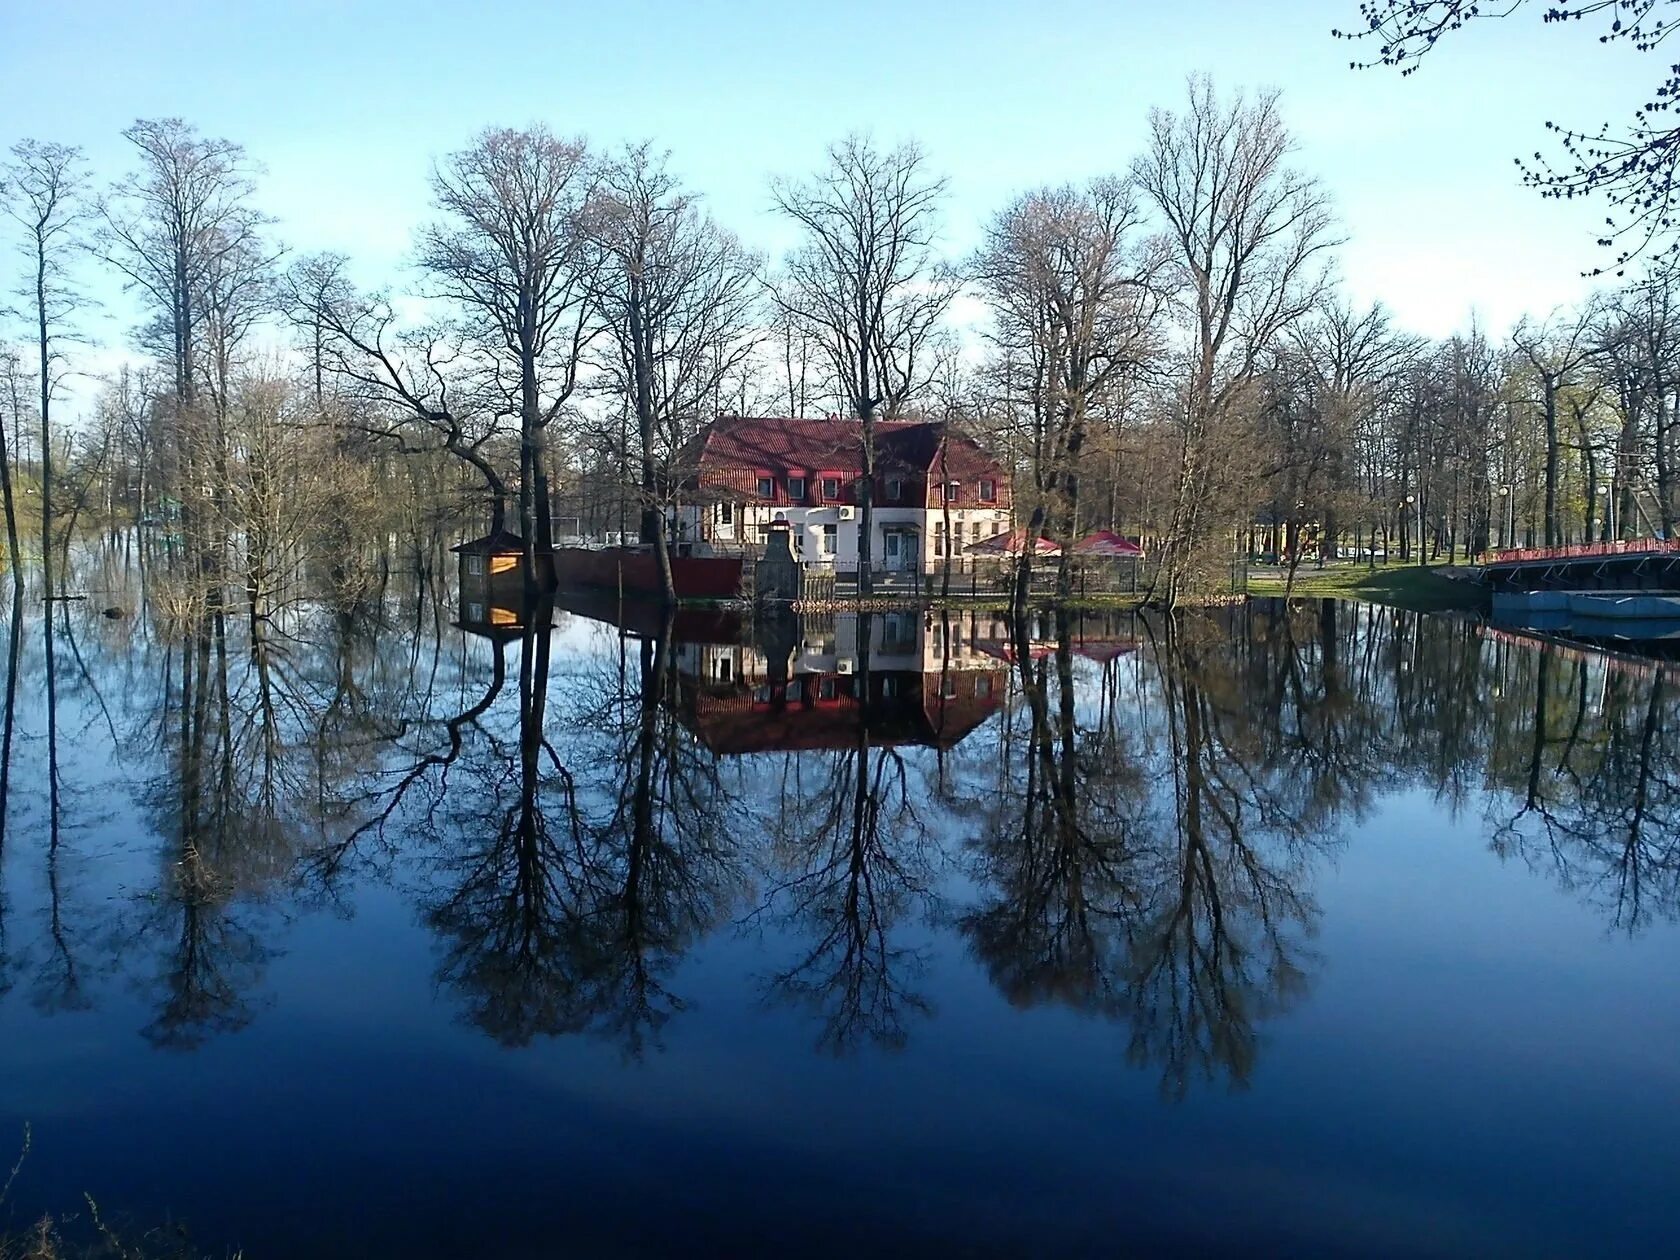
(1106, 543)
(1013, 544)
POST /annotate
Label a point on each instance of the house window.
(796, 489)
(826, 542)
(889, 687)
(988, 490)
(939, 538)
(953, 490)
(826, 689)
(831, 488)
(997, 528)
(895, 489)
(475, 566)
(983, 688)
(948, 690)
(726, 514)
(767, 487)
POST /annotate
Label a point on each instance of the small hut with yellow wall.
(489, 566)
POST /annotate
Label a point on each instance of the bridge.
(1637, 564)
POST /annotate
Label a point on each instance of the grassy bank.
(1419, 588)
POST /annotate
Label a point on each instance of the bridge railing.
(1586, 551)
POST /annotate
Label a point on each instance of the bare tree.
(42, 188)
(1344, 360)
(1248, 234)
(1555, 352)
(409, 383)
(867, 285)
(794, 352)
(1639, 343)
(170, 225)
(510, 253)
(130, 402)
(1076, 290)
(677, 297)
(316, 283)
(183, 234)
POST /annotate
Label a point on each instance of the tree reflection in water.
(510, 940)
(8, 730)
(218, 802)
(847, 862)
(574, 923)
(1595, 780)
(1070, 807)
(1148, 866)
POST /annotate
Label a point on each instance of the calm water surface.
(430, 929)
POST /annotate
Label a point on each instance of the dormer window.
(767, 487)
(895, 488)
(988, 490)
(831, 488)
(952, 490)
(796, 489)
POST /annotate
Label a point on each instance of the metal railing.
(1587, 551)
(968, 578)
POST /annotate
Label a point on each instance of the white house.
(745, 472)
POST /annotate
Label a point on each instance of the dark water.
(1330, 931)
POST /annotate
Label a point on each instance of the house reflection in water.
(825, 681)
(503, 623)
(814, 682)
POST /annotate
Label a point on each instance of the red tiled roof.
(779, 443)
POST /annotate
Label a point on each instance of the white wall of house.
(828, 533)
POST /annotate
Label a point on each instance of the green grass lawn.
(1422, 589)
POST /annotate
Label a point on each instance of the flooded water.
(436, 929)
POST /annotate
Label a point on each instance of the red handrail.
(1582, 551)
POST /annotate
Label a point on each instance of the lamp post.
(1410, 500)
(1509, 514)
(1609, 508)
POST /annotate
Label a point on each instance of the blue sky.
(346, 104)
